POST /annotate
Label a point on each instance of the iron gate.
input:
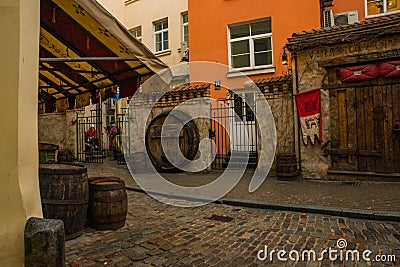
(233, 128)
(89, 137)
(123, 133)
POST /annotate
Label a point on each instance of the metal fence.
(89, 137)
(233, 128)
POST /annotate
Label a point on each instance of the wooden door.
(365, 126)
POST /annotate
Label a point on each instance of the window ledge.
(162, 53)
(382, 14)
(236, 73)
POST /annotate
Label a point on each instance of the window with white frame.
(381, 7)
(137, 33)
(185, 27)
(161, 35)
(250, 45)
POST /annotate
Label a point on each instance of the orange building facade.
(248, 36)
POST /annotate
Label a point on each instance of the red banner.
(309, 110)
(358, 73)
(389, 69)
(370, 71)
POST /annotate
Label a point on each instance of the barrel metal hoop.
(289, 174)
(108, 199)
(64, 201)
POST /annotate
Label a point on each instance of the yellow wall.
(19, 187)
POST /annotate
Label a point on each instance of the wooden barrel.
(108, 203)
(65, 156)
(188, 140)
(286, 166)
(47, 153)
(65, 195)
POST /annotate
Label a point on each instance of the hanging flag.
(309, 109)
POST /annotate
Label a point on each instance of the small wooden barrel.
(286, 166)
(65, 195)
(108, 203)
(47, 153)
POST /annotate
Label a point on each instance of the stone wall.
(59, 128)
(279, 94)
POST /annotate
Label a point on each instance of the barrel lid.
(61, 169)
(106, 183)
(46, 146)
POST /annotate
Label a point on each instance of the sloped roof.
(83, 48)
(364, 30)
(273, 80)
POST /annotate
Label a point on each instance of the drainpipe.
(296, 125)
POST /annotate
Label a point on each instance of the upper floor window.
(137, 33)
(381, 7)
(250, 44)
(161, 35)
(185, 27)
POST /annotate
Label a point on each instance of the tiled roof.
(189, 87)
(384, 25)
(279, 79)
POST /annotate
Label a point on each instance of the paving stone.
(223, 244)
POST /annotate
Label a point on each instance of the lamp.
(284, 57)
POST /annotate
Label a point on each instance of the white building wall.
(143, 13)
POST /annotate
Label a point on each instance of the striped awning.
(84, 50)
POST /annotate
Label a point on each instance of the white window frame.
(381, 14)
(162, 31)
(251, 39)
(134, 32)
(185, 24)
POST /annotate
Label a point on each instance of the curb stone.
(334, 211)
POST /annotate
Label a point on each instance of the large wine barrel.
(188, 140)
(65, 195)
(108, 203)
(286, 166)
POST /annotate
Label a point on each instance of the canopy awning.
(84, 49)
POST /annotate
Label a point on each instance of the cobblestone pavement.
(157, 234)
(374, 196)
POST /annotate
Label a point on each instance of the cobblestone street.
(157, 234)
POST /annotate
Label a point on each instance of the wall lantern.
(284, 57)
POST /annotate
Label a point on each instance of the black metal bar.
(86, 59)
(90, 149)
(55, 70)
